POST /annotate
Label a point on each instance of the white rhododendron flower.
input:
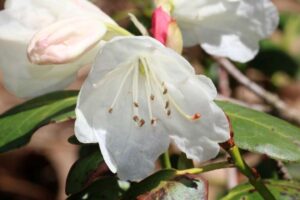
(229, 28)
(20, 20)
(136, 99)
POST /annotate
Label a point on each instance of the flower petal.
(199, 138)
(127, 148)
(227, 28)
(65, 40)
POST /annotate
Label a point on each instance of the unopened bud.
(166, 30)
(65, 40)
(174, 37)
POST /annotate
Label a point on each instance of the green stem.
(206, 168)
(165, 161)
(247, 171)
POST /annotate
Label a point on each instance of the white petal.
(227, 28)
(127, 148)
(139, 47)
(199, 138)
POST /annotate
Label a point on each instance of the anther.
(136, 104)
(196, 116)
(153, 121)
(167, 105)
(165, 91)
(152, 97)
(142, 122)
(135, 118)
(169, 112)
(110, 110)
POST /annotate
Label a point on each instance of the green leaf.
(102, 189)
(184, 162)
(165, 185)
(282, 190)
(263, 133)
(81, 171)
(18, 124)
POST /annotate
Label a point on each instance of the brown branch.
(258, 107)
(224, 85)
(284, 110)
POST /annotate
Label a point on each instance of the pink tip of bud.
(160, 24)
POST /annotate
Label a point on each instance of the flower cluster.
(139, 95)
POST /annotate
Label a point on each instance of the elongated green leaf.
(282, 190)
(18, 124)
(263, 133)
(81, 171)
(102, 189)
(166, 185)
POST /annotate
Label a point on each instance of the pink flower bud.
(65, 40)
(160, 24)
(166, 30)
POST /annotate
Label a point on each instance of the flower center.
(154, 87)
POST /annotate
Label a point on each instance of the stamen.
(135, 118)
(167, 105)
(148, 88)
(120, 88)
(169, 112)
(153, 122)
(172, 101)
(165, 91)
(196, 116)
(141, 122)
(152, 97)
(135, 91)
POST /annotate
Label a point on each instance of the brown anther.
(142, 122)
(165, 91)
(136, 104)
(196, 116)
(153, 121)
(152, 97)
(167, 105)
(169, 112)
(135, 118)
(110, 110)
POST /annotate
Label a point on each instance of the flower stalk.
(165, 160)
(252, 175)
(207, 168)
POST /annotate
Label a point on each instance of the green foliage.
(259, 132)
(282, 190)
(104, 189)
(83, 170)
(18, 124)
(184, 162)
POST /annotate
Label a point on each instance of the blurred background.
(38, 171)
